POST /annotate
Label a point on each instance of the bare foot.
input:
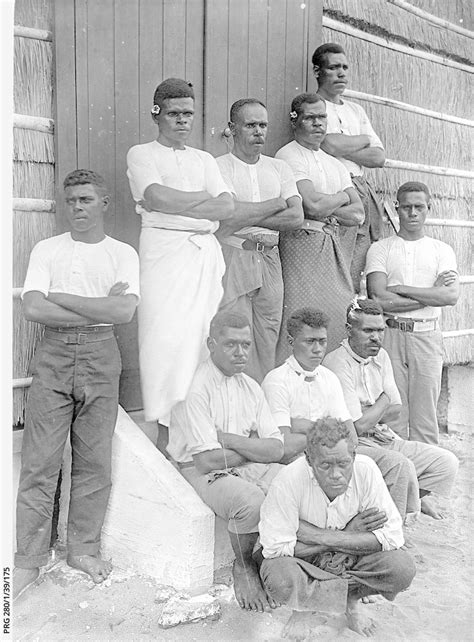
(369, 599)
(358, 622)
(248, 589)
(96, 567)
(22, 579)
(428, 507)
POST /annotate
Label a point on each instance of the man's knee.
(279, 577)
(246, 511)
(402, 570)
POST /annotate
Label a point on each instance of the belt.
(185, 464)
(248, 244)
(79, 336)
(312, 225)
(406, 324)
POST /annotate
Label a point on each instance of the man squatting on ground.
(331, 511)
(365, 372)
(181, 197)
(266, 200)
(301, 391)
(412, 276)
(78, 284)
(352, 140)
(224, 439)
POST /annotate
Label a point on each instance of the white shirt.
(295, 495)
(415, 263)
(363, 380)
(188, 170)
(290, 396)
(327, 173)
(216, 402)
(350, 119)
(60, 264)
(256, 182)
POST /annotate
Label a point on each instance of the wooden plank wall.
(111, 55)
(257, 48)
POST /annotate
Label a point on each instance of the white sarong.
(181, 274)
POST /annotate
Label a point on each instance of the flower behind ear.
(293, 115)
(155, 110)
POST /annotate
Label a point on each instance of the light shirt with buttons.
(350, 118)
(414, 263)
(327, 173)
(215, 401)
(290, 396)
(257, 182)
(188, 170)
(295, 495)
(363, 380)
(61, 264)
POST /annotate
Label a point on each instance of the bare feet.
(96, 567)
(248, 589)
(358, 622)
(307, 625)
(428, 507)
(22, 579)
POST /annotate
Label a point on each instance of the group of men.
(313, 466)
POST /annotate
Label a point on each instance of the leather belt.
(406, 324)
(79, 336)
(185, 464)
(248, 244)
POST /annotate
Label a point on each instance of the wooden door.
(111, 54)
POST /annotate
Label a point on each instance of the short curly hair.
(86, 177)
(327, 431)
(306, 316)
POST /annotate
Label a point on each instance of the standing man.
(351, 139)
(266, 200)
(78, 284)
(225, 440)
(301, 390)
(365, 372)
(315, 271)
(181, 198)
(328, 517)
(412, 276)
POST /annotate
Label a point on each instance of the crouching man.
(327, 515)
(225, 441)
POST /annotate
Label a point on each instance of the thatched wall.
(413, 137)
(33, 170)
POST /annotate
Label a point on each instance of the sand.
(64, 605)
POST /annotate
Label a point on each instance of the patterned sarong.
(315, 274)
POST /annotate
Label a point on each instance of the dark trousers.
(74, 392)
(297, 583)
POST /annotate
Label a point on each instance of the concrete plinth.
(155, 523)
(461, 399)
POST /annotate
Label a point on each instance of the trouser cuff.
(31, 561)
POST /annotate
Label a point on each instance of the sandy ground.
(64, 605)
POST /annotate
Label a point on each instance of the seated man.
(328, 514)
(224, 439)
(301, 391)
(372, 397)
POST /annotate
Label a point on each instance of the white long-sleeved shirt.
(215, 401)
(296, 495)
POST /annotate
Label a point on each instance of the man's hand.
(144, 205)
(118, 289)
(367, 520)
(445, 278)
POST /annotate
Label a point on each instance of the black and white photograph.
(237, 358)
